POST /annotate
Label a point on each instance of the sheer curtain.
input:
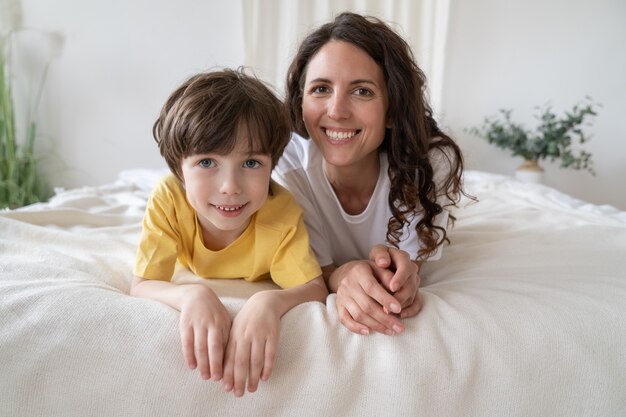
(274, 28)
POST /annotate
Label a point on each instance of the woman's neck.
(355, 184)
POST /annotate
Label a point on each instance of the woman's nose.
(338, 107)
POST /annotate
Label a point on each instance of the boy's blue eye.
(206, 163)
(252, 163)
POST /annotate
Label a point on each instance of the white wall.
(523, 53)
(122, 58)
(119, 62)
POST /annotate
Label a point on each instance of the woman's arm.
(204, 321)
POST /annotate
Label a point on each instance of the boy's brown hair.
(207, 113)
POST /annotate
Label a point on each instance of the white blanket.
(524, 315)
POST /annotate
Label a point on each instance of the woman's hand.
(402, 277)
(251, 349)
(362, 302)
(204, 329)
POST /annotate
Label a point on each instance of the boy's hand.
(252, 344)
(204, 329)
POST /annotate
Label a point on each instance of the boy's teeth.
(340, 135)
(229, 208)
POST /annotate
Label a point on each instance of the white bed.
(524, 315)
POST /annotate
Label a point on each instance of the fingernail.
(397, 328)
(365, 332)
(395, 308)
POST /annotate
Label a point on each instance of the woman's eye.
(320, 90)
(252, 163)
(363, 92)
(206, 163)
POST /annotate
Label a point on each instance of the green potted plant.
(20, 181)
(554, 138)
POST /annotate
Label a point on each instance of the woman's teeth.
(340, 135)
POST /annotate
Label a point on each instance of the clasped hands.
(372, 295)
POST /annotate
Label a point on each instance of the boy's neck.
(216, 240)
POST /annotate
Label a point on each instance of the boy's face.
(225, 191)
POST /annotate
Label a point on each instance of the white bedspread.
(524, 315)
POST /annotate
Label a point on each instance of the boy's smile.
(226, 191)
(229, 211)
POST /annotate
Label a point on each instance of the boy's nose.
(229, 183)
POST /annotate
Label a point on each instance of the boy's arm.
(253, 340)
(204, 321)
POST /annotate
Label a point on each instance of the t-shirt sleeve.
(294, 263)
(158, 246)
(289, 173)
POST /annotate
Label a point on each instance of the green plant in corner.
(555, 138)
(20, 182)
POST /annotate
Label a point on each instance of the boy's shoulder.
(169, 191)
(280, 209)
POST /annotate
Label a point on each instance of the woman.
(377, 174)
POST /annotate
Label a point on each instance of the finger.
(229, 366)
(407, 293)
(186, 340)
(347, 320)
(403, 268)
(201, 352)
(216, 354)
(413, 309)
(356, 314)
(366, 311)
(257, 359)
(379, 254)
(384, 276)
(271, 346)
(242, 364)
(374, 290)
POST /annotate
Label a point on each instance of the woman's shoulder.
(298, 154)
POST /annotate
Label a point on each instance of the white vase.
(529, 171)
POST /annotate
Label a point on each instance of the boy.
(218, 214)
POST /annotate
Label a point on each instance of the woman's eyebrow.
(364, 81)
(357, 81)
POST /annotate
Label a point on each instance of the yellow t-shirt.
(274, 245)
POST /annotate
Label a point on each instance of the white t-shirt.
(337, 237)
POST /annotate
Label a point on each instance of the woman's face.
(344, 104)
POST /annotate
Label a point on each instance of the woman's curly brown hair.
(413, 134)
